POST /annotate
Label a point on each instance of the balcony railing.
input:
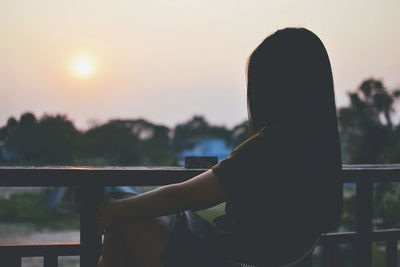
(91, 182)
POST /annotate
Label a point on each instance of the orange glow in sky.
(83, 67)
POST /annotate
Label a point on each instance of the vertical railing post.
(50, 261)
(391, 253)
(333, 255)
(90, 197)
(363, 249)
(10, 260)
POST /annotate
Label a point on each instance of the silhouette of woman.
(281, 186)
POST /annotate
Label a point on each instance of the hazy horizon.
(166, 61)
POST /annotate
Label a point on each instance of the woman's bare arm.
(200, 192)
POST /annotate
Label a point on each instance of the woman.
(281, 186)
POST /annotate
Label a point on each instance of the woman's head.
(289, 81)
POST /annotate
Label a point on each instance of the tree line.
(367, 132)
(54, 140)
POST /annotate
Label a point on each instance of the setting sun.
(83, 67)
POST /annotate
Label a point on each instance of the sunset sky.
(164, 61)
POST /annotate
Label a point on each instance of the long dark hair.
(290, 71)
(290, 87)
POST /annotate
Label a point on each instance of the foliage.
(391, 149)
(51, 140)
(378, 255)
(26, 207)
(366, 125)
(386, 205)
(112, 143)
(349, 208)
(54, 140)
(198, 128)
(211, 213)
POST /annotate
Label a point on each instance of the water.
(26, 233)
(29, 233)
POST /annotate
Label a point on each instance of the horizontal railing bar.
(353, 175)
(38, 250)
(113, 176)
(71, 249)
(371, 166)
(351, 237)
(110, 176)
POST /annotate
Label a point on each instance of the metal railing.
(91, 181)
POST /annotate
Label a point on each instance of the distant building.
(207, 147)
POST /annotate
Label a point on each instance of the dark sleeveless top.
(275, 197)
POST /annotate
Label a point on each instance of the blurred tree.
(110, 144)
(366, 124)
(51, 140)
(391, 150)
(127, 142)
(7, 157)
(11, 123)
(349, 212)
(386, 205)
(158, 147)
(59, 140)
(197, 128)
(154, 142)
(23, 138)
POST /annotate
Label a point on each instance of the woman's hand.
(107, 215)
(107, 209)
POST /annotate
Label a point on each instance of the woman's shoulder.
(257, 142)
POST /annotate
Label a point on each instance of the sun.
(83, 67)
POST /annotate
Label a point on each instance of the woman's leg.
(115, 251)
(135, 243)
(147, 239)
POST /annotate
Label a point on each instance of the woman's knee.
(146, 234)
(146, 239)
(145, 226)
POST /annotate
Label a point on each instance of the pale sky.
(167, 60)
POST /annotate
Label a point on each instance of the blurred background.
(146, 83)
